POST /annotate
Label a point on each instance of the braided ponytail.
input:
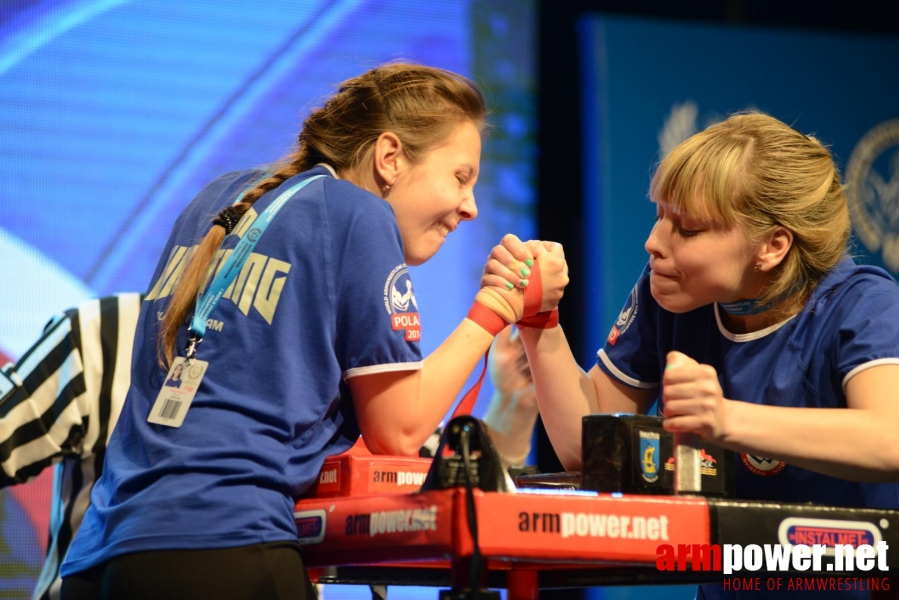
(421, 105)
(197, 270)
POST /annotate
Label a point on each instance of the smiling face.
(696, 262)
(432, 196)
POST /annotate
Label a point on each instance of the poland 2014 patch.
(401, 305)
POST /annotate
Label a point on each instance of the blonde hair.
(757, 171)
(421, 105)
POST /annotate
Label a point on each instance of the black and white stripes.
(73, 382)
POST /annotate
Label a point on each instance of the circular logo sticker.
(760, 465)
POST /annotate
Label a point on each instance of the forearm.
(511, 419)
(447, 369)
(852, 444)
(397, 411)
(564, 392)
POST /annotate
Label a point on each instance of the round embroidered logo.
(759, 465)
(625, 317)
(401, 305)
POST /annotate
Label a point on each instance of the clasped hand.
(506, 275)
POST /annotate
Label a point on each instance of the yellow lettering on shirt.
(258, 285)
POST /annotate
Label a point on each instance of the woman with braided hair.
(285, 298)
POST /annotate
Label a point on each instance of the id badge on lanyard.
(186, 373)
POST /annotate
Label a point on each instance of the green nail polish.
(529, 262)
(523, 282)
(525, 271)
(509, 286)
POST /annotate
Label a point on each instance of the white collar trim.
(330, 168)
(746, 337)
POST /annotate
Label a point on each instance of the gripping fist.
(510, 265)
(550, 257)
(693, 399)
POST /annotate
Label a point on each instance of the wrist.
(518, 460)
(533, 302)
(486, 318)
(494, 300)
(542, 320)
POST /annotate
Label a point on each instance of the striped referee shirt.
(62, 400)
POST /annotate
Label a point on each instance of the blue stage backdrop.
(649, 84)
(113, 114)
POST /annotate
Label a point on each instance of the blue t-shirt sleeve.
(868, 334)
(631, 352)
(378, 325)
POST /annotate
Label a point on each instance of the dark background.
(559, 167)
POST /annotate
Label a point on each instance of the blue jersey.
(324, 296)
(850, 323)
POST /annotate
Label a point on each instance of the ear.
(389, 158)
(774, 248)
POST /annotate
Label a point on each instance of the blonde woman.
(750, 325)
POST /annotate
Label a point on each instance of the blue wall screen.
(113, 114)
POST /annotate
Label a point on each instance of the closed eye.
(688, 232)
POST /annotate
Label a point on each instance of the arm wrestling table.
(366, 522)
(532, 540)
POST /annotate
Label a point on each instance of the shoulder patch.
(625, 317)
(401, 305)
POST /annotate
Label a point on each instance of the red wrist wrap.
(533, 297)
(533, 294)
(544, 320)
(493, 324)
(486, 318)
